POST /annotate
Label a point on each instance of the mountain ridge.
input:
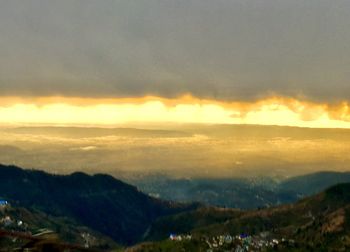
(100, 202)
(316, 223)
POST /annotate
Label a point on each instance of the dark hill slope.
(27, 226)
(320, 222)
(100, 202)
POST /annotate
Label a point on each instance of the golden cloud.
(186, 109)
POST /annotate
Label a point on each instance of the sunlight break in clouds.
(186, 109)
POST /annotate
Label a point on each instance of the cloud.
(187, 109)
(224, 50)
(340, 112)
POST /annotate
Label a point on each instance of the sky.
(106, 62)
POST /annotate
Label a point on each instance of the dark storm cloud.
(234, 49)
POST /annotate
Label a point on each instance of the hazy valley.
(178, 151)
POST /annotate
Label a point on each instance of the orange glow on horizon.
(185, 109)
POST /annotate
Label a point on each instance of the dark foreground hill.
(99, 202)
(317, 223)
(23, 228)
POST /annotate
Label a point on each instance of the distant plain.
(179, 151)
